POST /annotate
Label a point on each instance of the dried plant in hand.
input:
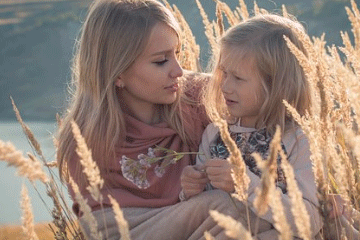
(136, 170)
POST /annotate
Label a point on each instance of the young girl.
(254, 72)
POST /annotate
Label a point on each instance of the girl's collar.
(238, 128)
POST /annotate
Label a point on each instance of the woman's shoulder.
(194, 83)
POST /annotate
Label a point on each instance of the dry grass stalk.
(27, 130)
(27, 218)
(52, 164)
(267, 193)
(284, 11)
(304, 61)
(119, 217)
(268, 174)
(281, 223)
(86, 210)
(219, 18)
(57, 214)
(190, 51)
(298, 209)
(208, 236)
(233, 228)
(354, 17)
(90, 167)
(230, 15)
(256, 9)
(31, 169)
(243, 11)
(241, 179)
(352, 55)
(209, 30)
(349, 171)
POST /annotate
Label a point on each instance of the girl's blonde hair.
(114, 34)
(261, 38)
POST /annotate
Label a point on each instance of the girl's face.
(153, 77)
(241, 86)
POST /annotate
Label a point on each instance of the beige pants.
(185, 220)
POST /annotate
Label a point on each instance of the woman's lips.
(172, 88)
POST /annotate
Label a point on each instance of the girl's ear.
(119, 83)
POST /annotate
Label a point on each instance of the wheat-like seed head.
(268, 174)
(86, 210)
(31, 169)
(26, 129)
(90, 167)
(243, 11)
(233, 228)
(27, 218)
(120, 220)
(209, 30)
(298, 209)
(241, 179)
(208, 236)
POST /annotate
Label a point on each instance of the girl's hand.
(193, 180)
(219, 173)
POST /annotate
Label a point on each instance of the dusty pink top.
(140, 136)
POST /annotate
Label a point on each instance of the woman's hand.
(193, 180)
(219, 173)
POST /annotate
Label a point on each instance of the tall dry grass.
(332, 128)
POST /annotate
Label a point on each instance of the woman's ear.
(119, 83)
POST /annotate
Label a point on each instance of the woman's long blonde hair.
(262, 39)
(114, 34)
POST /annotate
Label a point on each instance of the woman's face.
(153, 77)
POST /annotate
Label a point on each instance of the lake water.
(10, 183)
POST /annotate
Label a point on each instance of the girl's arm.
(298, 152)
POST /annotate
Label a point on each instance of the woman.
(130, 97)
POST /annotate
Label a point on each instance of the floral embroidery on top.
(135, 170)
(248, 143)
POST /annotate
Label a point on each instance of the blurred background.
(36, 47)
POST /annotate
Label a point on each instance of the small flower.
(159, 171)
(145, 163)
(151, 152)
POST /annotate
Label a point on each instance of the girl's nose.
(225, 85)
(177, 70)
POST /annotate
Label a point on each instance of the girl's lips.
(172, 88)
(230, 102)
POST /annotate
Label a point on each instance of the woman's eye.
(160, 63)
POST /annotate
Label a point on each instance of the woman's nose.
(177, 70)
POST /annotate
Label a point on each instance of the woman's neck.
(150, 115)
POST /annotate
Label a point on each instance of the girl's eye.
(160, 63)
(224, 73)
